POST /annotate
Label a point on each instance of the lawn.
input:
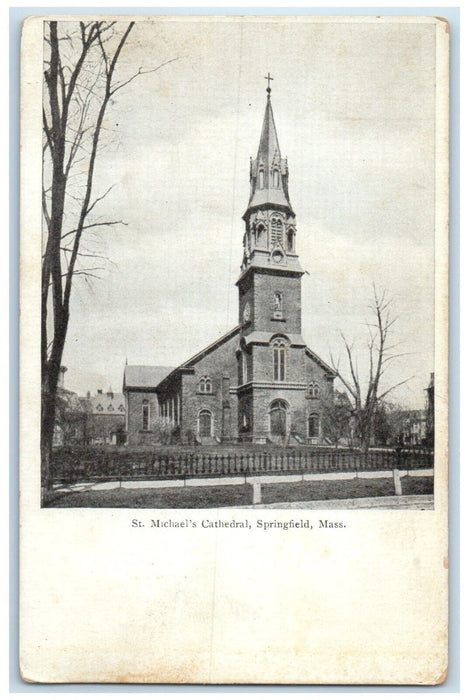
(233, 496)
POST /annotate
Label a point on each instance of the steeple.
(270, 233)
(269, 171)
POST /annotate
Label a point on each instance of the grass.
(233, 496)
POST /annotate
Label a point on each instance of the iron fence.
(85, 464)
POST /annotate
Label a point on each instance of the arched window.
(278, 414)
(279, 350)
(261, 236)
(290, 239)
(205, 385)
(314, 390)
(313, 425)
(276, 232)
(275, 178)
(145, 414)
(261, 179)
(205, 423)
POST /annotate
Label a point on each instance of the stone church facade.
(259, 382)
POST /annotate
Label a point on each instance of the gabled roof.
(144, 376)
(203, 353)
(320, 362)
(107, 403)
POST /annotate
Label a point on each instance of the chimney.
(88, 395)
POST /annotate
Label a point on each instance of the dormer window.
(205, 385)
(110, 407)
(99, 407)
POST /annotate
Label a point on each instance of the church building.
(259, 382)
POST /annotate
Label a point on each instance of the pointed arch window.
(275, 178)
(290, 240)
(313, 425)
(261, 179)
(276, 231)
(279, 360)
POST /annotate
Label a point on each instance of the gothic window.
(276, 232)
(290, 238)
(121, 408)
(145, 415)
(261, 236)
(313, 425)
(314, 390)
(261, 179)
(110, 407)
(279, 360)
(275, 178)
(278, 415)
(99, 407)
(205, 423)
(205, 385)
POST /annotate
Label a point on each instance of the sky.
(354, 110)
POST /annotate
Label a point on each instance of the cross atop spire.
(268, 77)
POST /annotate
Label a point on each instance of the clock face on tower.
(247, 312)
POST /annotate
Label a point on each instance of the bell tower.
(270, 280)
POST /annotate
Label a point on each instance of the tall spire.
(269, 171)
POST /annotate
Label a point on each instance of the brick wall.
(135, 433)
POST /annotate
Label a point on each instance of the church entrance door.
(278, 419)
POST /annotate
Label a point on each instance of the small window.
(110, 407)
(261, 179)
(313, 425)
(275, 178)
(99, 407)
(314, 390)
(145, 415)
(121, 408)
(290, 238)
(205, 385)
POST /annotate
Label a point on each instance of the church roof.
(144, 376)
(320, 362)
(206, 351)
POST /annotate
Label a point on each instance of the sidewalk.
(415, 502)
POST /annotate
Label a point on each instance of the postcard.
(234, 356)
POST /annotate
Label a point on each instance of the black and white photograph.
(238, 264)
(233, 349)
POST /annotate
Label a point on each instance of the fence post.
(256, 493)
(395, 474)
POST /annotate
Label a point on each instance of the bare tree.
(79, 84)
(367, 396)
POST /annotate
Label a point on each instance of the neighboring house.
(259, 382)
(415, 428)
(70, 416)
(106, 418)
